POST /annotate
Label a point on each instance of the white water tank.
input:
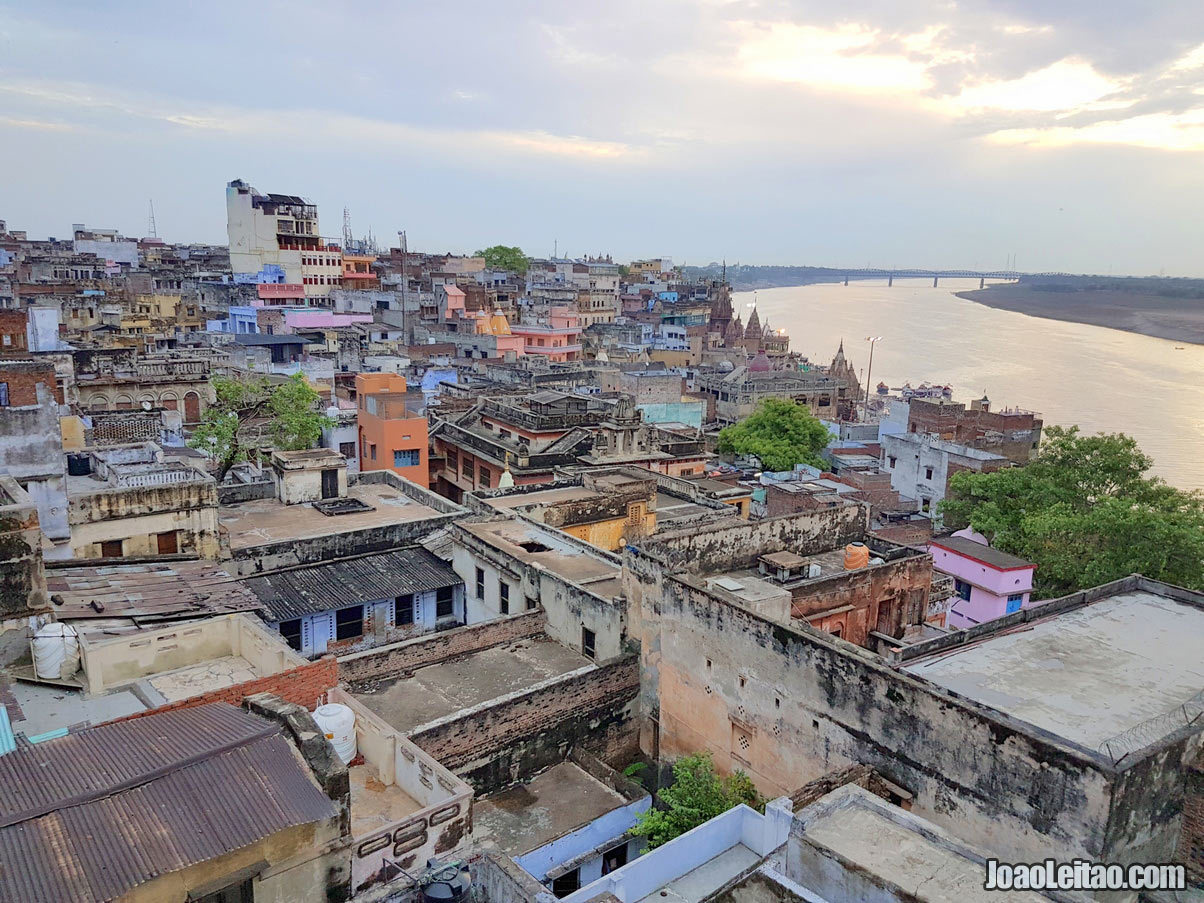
(337, 722)
(55, 651)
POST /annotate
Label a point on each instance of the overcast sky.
(1070, 133)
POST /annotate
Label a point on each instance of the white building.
(920, 465)
(280, 230)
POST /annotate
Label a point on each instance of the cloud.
(1066, 85)
(1161, 131)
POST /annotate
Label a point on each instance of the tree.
(501, 257)
(780, 433)
(224, 433)
(696, 795)
(1085, 511)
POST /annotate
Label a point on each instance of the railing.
(520, 417)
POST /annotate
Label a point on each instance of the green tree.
(1085, 511)
(696, 795)
(225, 433)
(501, 257)
(780, 433)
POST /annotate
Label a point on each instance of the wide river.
(1104, 380)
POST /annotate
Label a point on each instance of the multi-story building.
(987, 583)
(392, 428)
(1013, 433)
(280, 230)
(556, 336)
(920, 465)
(737, 392)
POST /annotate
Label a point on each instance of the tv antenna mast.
(346, 229)
(151, 231)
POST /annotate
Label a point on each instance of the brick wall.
(303, 685)
(23, 380)
(493, 745)
(408, 655)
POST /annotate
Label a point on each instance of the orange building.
(392, 432)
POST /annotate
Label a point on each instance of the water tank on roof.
(337, 722)
(55, 652)
(448, 882)
(856, 555)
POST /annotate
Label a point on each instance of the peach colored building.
(558, 340)
(392, 432)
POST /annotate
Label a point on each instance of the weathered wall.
(137, 513)
(410, 655)
(22, 577)
(1191, 836)
(233, 493)
(885, 597)
(499, 742)
(788, 706)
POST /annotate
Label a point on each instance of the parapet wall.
(409, 655)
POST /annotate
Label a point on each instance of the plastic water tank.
(856, 555)
(55, 652)
(337, 722)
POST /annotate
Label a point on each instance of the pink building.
(558, 340)
(988, 583)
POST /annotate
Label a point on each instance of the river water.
(1104, 380)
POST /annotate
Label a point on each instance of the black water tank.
(448, 883)
(79, 465)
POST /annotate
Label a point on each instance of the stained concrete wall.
(22, 577)
(789, 705)
(136, 514)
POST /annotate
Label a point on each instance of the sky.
(1069, 134)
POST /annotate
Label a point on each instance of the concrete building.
(1012, 433)
(130, 502)
(737, 392)
(23, 593)
(392, 431)
(31, 445)
(280, 230)
(987, 583)
(120, 379)
(920, 466)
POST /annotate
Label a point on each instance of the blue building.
(357, 603)
(241, 320)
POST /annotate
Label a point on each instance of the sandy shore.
(1176, 319)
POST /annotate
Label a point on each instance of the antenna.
(555, 248)
(346, 229)
(401, 236)
(151, 231)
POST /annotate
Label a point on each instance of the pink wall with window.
(988, 584)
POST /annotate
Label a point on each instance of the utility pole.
(873, 340)
(404, 285)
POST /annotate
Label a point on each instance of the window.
(3, 395)
(486, 478)
(167, 543)
(403, 610)
(963, 589)
(291, 631)
(614, 858)
(927, 473)
(406, 457)
(347, 449)
(349, 623)
(241, 892)
(892, 462)
(468, 470)
(480, 584)
(566, 883)
(372, 450)
(503, 591)
(1014, 602)
(925, 504)
(453, 459)
(445, 602)
(587, 642)
(504, 434)
(111, 548)
(531, 603)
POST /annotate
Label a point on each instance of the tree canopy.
(696, 795)
(780, 432)
(1085, 511)
(291, 407)
(502, 257)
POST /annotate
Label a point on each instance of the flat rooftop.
(433, 692)
(870, 842)
(1086, 674)
(670, 508)
(266, 521)
(546, 548)
(374, 804)
(700, 883)
(553, 803)
(541, 497)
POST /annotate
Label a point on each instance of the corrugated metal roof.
(351, 581)
(96, 813)
(146, 592)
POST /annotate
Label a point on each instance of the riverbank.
(1176, 319)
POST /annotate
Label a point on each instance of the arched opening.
(192, 407)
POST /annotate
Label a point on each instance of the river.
(1104, 380)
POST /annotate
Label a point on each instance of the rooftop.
(553, 803)
(264, 521)
(433, 692)
(968, 548)
(549, 550)
(1086, 674)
